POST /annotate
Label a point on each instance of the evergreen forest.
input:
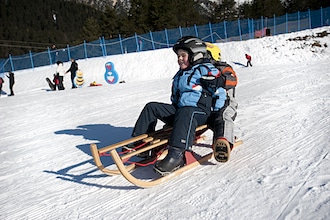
(37, 25)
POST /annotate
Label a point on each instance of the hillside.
(280, 172)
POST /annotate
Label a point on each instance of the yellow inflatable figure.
(79, 80)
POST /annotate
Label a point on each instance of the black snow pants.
(73, 75)
(184, 121)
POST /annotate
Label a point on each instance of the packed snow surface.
(280, 172)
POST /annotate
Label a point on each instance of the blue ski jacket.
(190, 88)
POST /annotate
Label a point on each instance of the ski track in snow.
(280, 171)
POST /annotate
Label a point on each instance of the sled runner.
(155, 142)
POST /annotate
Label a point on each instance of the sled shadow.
(239, 64)
(49, 90)
(102, 135)
(82, 178)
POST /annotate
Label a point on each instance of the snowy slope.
(280, 172)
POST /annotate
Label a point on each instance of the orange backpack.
(228, 74)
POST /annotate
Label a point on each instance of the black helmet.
(196, 47)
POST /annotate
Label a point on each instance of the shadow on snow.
(102, 135)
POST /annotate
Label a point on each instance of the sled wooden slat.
(134, 153)
(122, 143)
(144, 137)
(155, 141)
(148, 139)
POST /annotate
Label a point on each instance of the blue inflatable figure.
(110, 75)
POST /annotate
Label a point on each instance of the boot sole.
(221, 151)
(164, 173)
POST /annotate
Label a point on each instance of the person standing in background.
(11, 82)
(73, 69)
(1, 82)
(60, 71)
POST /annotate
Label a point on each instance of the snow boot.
(221, 150)
(173, 161)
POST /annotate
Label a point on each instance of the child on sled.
(193, 97)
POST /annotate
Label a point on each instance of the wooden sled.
(95, 84)
(154, 140)
(52, 86)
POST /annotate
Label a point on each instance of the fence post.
(249, 29)
(211, 32)
(11, 63)
(168, 44)
(196, 31)
(152, 40)
(105, 47)
(137, 43)
(253, 27)
(2, 67)
(85, 49)
(262, 26)
(69, 55)
(180, 31)
(321, 11)
(309, 19)
(274, 24)
(121, 44)
(31, 59)
(298, 21)
(251, 32)
(224, 26)
(49, 56)
(102, 49)
(102, 44)
(239, 29)
(286, 23)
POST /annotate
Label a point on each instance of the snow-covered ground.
(280, 172)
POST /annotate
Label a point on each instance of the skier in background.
(248, 57)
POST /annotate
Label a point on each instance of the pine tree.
(225, 10)
(109, 23)
(265, 8)
(91, 30)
